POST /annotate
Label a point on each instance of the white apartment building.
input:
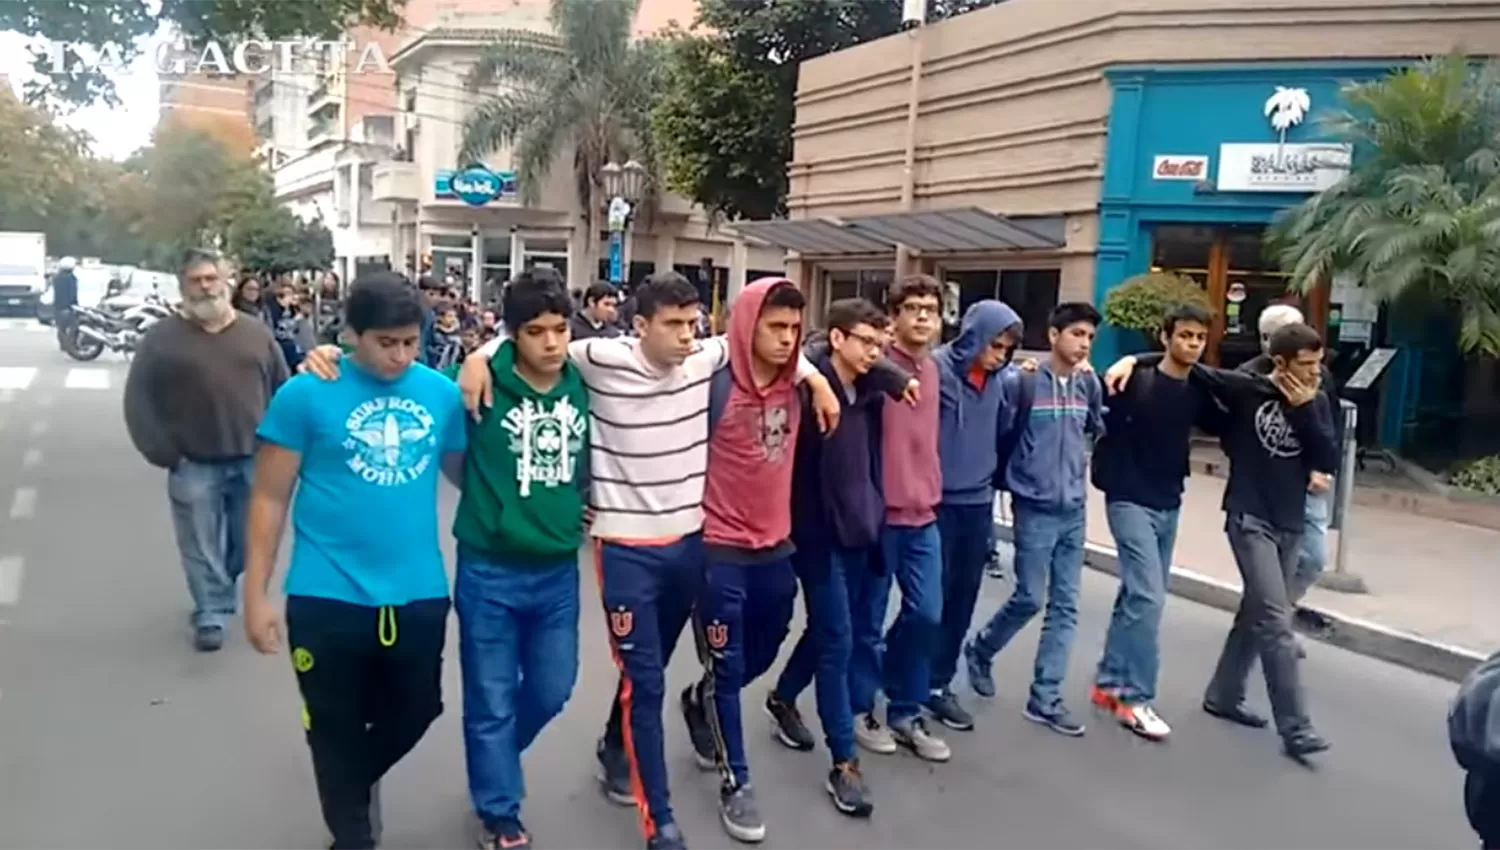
(321, 137)
(490, 242)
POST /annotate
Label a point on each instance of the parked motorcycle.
(116, 326)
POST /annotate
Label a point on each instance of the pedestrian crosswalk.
(17, 380)
(9, 325)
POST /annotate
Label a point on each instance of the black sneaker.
(1304, 743)
(981, 675)
(1058, 719)
(666, 837)
(787, 725)
(740, 814)
(705, 751)
(208, 638)
(508, 834)
(993, 567)
(1239, 713)
(846, 786)
(614, 774)
(945, 707)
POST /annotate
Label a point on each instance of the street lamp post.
(624, 185)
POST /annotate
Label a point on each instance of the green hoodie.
(526, 469)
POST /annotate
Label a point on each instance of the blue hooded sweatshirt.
(968, 416)
(1049, 465)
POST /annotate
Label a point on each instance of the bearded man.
(197, 389)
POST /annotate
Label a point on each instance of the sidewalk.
(1436, 579)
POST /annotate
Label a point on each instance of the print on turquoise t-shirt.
(364, 519)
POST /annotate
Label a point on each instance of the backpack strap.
(1006, 443)
(719, 387)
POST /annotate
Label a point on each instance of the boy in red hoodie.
(746, 605)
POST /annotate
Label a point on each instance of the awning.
(813, 236)
(929, 232)
(971, 229)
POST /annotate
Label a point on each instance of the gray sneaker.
(872, 735)
(740, 814)
(913, 735)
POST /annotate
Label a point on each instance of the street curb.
(1366, 638)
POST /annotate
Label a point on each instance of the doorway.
(1232, 265)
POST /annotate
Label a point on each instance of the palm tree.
(1420, 214)
(585, 89)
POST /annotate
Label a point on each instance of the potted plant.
(1138, 304)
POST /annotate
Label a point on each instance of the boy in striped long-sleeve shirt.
(649, 408)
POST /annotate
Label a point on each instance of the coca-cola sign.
(1180, 167)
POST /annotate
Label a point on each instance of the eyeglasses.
(866, 340)
(914, 309)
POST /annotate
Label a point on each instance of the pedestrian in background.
(596, 317)
(1474, 734)
(197, 388)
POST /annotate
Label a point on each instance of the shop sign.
(1273, 167)
(1180, 167)
(475, 186)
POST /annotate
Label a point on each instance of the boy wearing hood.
(518, 525)
(838, 508)
(969, 369)
(1049, 415)
(745, 605)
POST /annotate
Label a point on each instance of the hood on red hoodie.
(747, 498)
(744, 315)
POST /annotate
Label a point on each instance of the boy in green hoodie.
(519, 524)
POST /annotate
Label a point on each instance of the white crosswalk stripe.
(16, 377)
(31, 325)
(87, 379)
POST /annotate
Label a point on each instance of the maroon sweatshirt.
(909, 447)
(747, 499)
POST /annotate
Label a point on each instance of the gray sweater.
(199, 395)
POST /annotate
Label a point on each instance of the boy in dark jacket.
(837, 513)
(1474, 733)
(971, 392)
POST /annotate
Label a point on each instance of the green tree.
(40, 168)
(583, 92)
(725, 108)
(121, 24)
(1419, 216)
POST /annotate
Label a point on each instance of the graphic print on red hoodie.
(747, 498)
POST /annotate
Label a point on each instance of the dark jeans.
(823, 655)
(967, 533)
(518, 653)
(210, 503)
(742, 618)
(1482, 803)
(648, 594)
(371, 682)
(1267, 559)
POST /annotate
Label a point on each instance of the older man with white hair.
(1319, 511)
(197, 388)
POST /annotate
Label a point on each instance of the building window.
(870, 284)
(1032, 293)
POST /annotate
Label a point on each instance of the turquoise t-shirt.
(365, 514)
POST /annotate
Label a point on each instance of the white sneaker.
(872, 735)
(1143, 720)
(913, 735)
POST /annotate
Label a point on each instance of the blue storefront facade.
(1200, 160)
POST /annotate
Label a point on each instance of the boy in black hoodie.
(837, 513)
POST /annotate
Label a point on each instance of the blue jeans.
(210, 504)
(1049, 559)
(823, 653)
(1144, 538)
(1313, 556)
(869, 593)
(914, 556)
(518, 653)
(968, 533)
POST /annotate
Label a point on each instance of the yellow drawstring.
(387, 618)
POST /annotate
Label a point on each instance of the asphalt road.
(115, 733)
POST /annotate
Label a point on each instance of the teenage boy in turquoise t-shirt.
(366, 593)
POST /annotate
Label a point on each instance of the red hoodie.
(747, 498)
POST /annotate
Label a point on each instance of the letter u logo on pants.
(717, 634)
